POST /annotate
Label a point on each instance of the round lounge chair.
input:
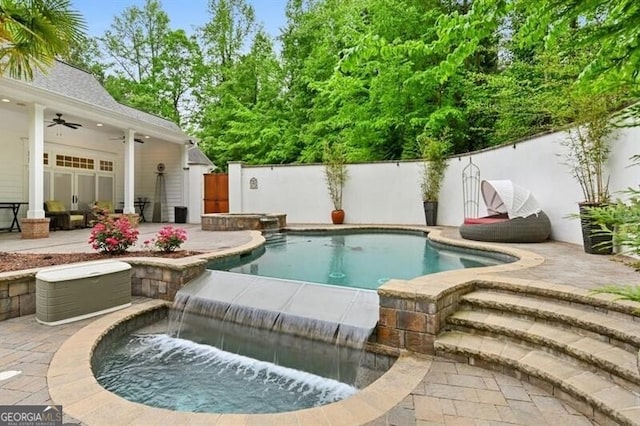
(514, 216)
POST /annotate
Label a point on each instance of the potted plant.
(434, 155)
(587, 151)
(335, 159)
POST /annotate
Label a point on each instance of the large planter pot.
(430, 212)
(594, 243)
(337, 217)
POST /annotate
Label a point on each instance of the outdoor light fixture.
(147, 136)
(99, 124)
(5, 100)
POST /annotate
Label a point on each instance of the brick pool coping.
(72, 384)
(410, 315)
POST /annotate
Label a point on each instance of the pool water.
(181, 375)
(362, 260)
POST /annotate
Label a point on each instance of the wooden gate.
(216, 193)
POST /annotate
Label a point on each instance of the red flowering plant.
(169, 239)
(112, 236)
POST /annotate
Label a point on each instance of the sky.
(185, 14)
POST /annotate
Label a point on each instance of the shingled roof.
(196, 156)
(71, 82)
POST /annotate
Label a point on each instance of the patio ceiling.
(109, 130)
(81, 99)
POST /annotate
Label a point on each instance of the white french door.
(77, 190)
(105, 188)
(85, 191)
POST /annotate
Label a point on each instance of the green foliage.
(434, 153)
(143, 63)
(372, 74)
(621, 220)
(588, 144)
(625, 292)
(34, 32)
(336, 173)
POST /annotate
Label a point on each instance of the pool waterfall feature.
(344, 316)
(265, 360)
(273, 320)
(410, 316)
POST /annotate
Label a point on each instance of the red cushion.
(485, 220)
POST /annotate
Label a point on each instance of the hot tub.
(73, 292)
(243, 221)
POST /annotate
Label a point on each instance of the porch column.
(129, 171)
(185, 174)
(36, 157)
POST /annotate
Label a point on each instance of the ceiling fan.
(121, 138)
(57, 121)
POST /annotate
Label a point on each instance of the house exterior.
(116, 154)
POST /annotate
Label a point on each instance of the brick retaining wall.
(413, 312)
(148, 278)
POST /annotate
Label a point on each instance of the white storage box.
(73, 292)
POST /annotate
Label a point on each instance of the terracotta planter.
(337, 217)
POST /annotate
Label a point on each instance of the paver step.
(565, 342)
(620, 405)
(619, 328)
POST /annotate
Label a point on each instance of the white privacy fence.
(389, 192)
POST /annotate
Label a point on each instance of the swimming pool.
(361, 260)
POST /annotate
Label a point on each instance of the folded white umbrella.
(503, 196)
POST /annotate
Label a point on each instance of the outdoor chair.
(514, 216)
(103, 205)
(113, 214)
(61, 218)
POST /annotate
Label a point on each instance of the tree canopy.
(34, 32)
(373, 75)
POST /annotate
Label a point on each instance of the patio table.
(141, 204)
(14, 206)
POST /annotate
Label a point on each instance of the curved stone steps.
(600, 394)
(596, 354)
(623, 329)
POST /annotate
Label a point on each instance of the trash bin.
(180, 214)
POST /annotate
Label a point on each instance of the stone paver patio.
(451, 393)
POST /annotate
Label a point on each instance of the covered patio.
(64, 138)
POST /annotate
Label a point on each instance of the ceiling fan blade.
(52, 124)
(70, 125)
(75, 124)
(138, 140)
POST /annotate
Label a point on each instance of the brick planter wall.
(17, 296)
(162, 281)
(413, 312)
(149, 278)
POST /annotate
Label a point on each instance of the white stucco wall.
(389, 193)
(195, 188)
